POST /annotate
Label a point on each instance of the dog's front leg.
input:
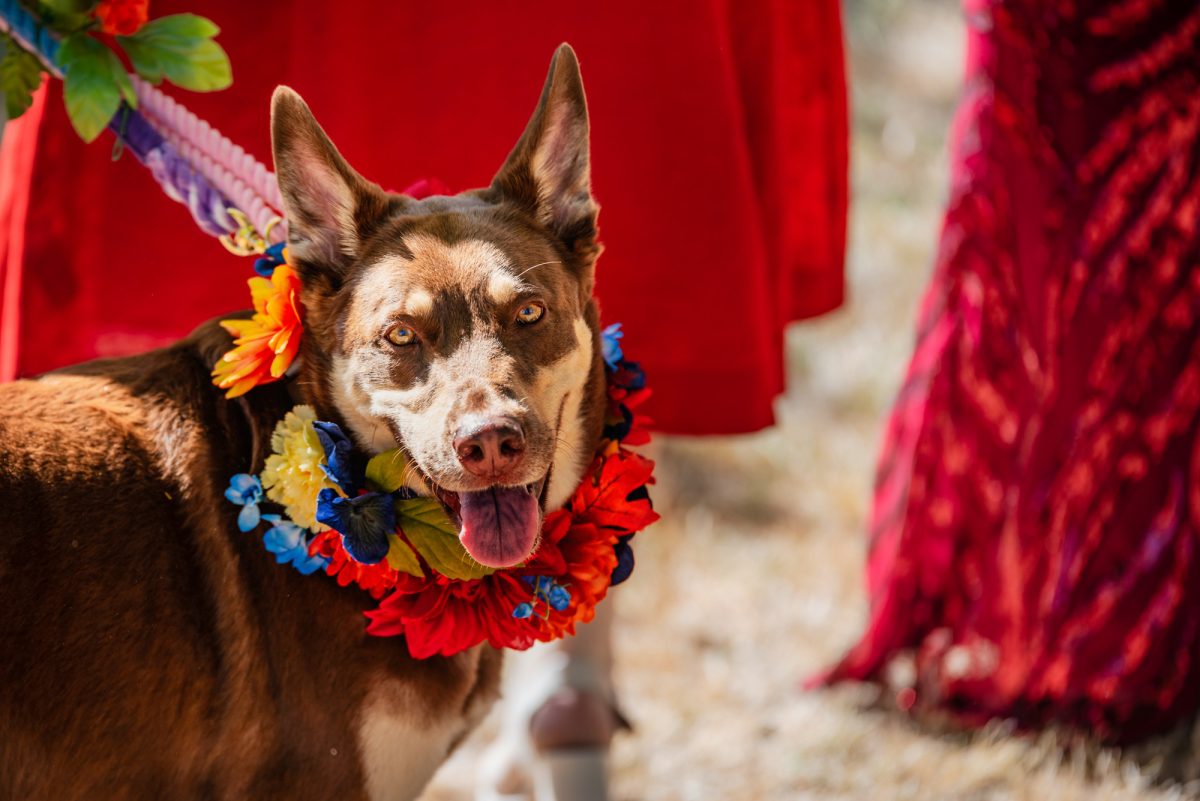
(559, 716)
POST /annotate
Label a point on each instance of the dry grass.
(752, 581)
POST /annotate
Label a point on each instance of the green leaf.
(94, 83)
(65, 16)
(179, 27)
(425, 524)
(205, 69)
(401, 557)
(20, 74)
(143, 58)
(386, 471)
(179, 47)
(66, 6)
(124, 85)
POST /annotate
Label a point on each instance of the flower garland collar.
(353, 518)
(266, 344)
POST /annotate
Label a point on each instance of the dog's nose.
(491, 448)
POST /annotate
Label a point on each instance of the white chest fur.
(401, 750)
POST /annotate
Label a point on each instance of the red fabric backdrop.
(719, 158)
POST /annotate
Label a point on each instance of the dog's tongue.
(499, 525)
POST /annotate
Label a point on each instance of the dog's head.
(461, 328)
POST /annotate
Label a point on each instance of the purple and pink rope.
(192, 161)
(235, 174)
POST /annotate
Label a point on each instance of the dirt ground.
(752, 581)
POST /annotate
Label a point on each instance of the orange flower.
(122, 17)
(266, 344)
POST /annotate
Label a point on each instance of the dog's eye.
(401, 335)
(530, 313)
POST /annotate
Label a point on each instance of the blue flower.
(610, 341)
(624, 566)
(289, 543)
(339, 452)
(619, 429)
(364, 522)
(265, 264)
(246, 491)
(632, 376)
(523, 611)
(559, 597)
(545, 589)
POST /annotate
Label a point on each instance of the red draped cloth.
(1035, 522)
(719, 158)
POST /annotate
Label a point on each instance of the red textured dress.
(719, 158)
(1035, 523)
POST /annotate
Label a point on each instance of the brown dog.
(150, 650)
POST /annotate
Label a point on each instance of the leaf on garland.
(67, 6)
(94, 83)
(425, 524)
(179, 47)
(400, 557)
(387, 470)
(602, 500)
(20, 74)
(65, 15)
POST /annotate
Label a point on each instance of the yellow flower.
(293, 474)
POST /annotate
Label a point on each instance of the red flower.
(122, 17)
(376, 579)
(438, 615)
(602, 496)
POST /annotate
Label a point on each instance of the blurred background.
(752, 581)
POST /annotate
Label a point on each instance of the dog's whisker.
(407, 473)
(539, 264)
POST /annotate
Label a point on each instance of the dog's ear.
(330, 208)
(548, 171)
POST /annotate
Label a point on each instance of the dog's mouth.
(499, 526)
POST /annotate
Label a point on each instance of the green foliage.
(63, 7)
(180, 48)
(65, 16)
(401, 557)
(20, 74)
(94, 83)
(424, 522)
(386, 470)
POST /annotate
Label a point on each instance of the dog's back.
(139, 662)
